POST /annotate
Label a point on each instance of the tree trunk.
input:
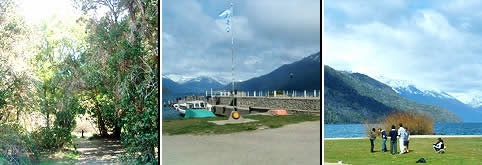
(117, 129)
(101, 123)
(47, 107)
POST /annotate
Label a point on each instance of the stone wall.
(312, 104)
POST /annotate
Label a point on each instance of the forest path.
(98, 151)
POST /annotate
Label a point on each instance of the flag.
(226, 14)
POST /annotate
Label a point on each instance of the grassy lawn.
(200, 126)
(357, 151)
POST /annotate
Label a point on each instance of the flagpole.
(232, 58)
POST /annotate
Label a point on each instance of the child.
(384, 137)
(393, 140)
(406, 140)
(373, 136)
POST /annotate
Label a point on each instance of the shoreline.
(415, 136)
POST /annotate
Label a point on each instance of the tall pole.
(232, 56)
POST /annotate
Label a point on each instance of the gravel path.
(291, 144)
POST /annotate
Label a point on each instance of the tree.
(125, 79)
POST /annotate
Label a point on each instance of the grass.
(201, 126)
(357, 151)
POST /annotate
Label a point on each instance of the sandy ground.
(291, 144)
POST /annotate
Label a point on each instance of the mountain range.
(300, 75)
(356, 98)
(195, 85)
(433, 97)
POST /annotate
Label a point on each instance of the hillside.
(306, 76)
(355, 97)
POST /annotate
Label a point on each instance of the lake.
(358, 130)
(167, 111)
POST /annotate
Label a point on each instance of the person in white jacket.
(401, 134)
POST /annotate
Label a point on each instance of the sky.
(267, 34)
(434, 44)
(35, 11)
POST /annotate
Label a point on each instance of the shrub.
(418, 124)
(13, 145)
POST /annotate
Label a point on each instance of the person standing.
(401, 134)
(373, 136)
(384, 138)
(407, 139)
(393, 140)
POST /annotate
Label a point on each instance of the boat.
(195, 105)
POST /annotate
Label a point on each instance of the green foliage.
(122, 73)
(107, 67)
(14, 144)
(13, 80)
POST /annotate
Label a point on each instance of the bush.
(13, 145)
(418, 124)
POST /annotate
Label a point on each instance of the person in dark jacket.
(384, 138)
(439, 145)
(393, 140)
(373, 136)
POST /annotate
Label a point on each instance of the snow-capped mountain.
(404, 86)
(181, 79)
(472, 100)
(194, 85)
(436, 97)
(178, 78)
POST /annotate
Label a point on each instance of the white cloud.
(421, 46)
(196, 41)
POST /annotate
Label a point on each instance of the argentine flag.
(226, 14)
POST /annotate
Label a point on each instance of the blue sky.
(434, 44)
(268, 34)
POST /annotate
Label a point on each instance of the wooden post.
(314, 93)
(254, 93)
(305, 93)
(274, 93)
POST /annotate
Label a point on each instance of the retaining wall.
(299, 104)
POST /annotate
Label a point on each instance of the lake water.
(358, 130)
(167, 111)
(353, 130)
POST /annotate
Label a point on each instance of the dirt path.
(98, 151)
(291, 144)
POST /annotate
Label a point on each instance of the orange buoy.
(235, 115)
